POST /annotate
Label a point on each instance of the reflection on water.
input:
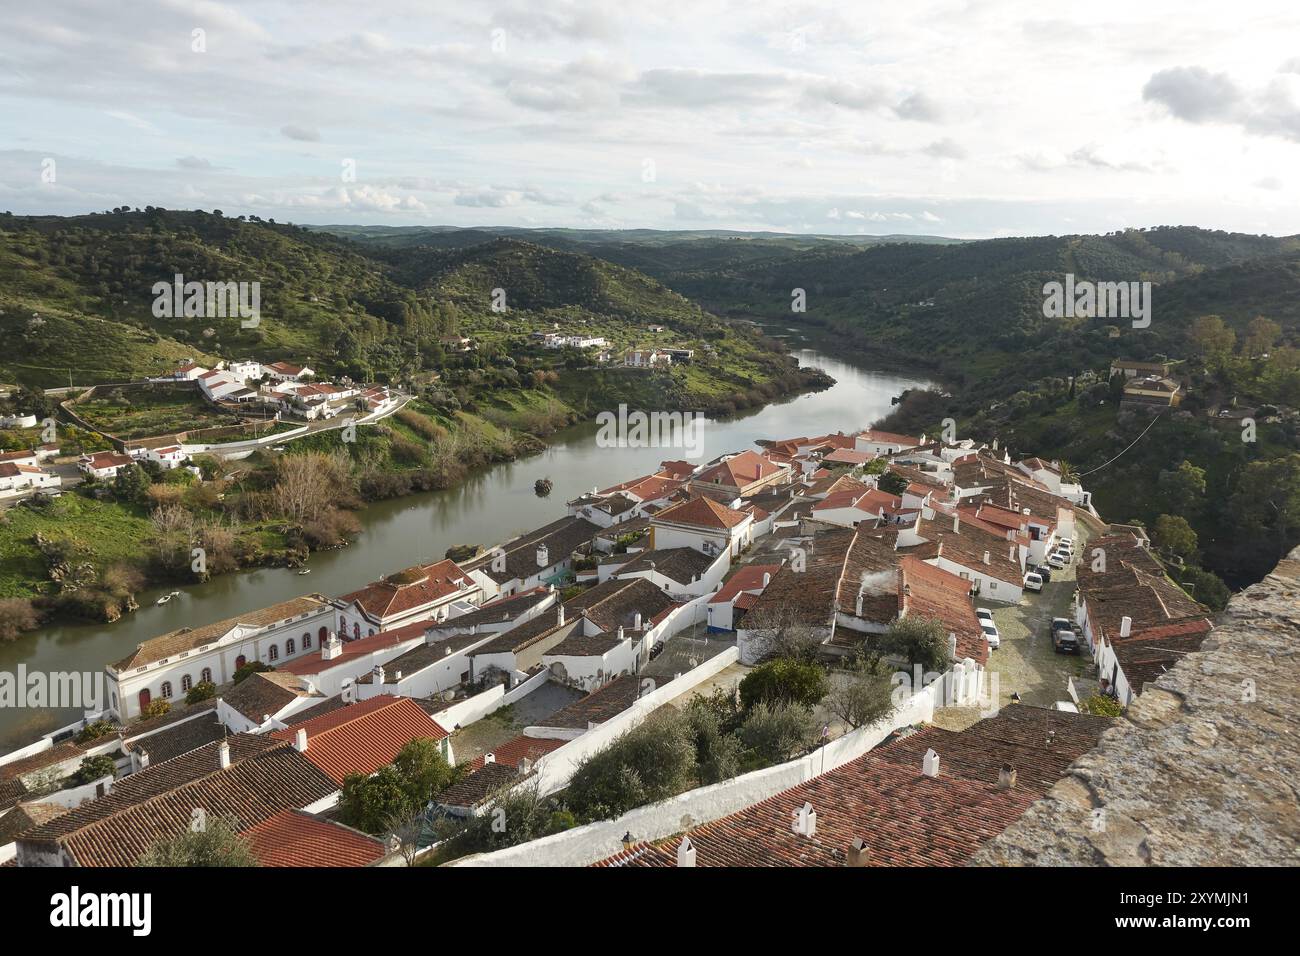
(491, 505)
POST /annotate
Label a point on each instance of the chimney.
(986, 558)
(956, 523)
(543, 556)
(636, 622)
(1011, 552)
(930, 764)
(223, 755)
(859, 852)
(300, 740)
(332, 648)
(561, 615)
(620, 632)
(1025, 512)
(805, 820)
(859, 608)
(767, 577)
(686, 852)
(952, 645)
(379, 675)
(489, 757)
(1007, 777)
(628, 840)
(1125, 626)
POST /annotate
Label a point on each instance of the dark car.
(1065, 641)
(1044, 572)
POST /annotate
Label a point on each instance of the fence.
(596, 841)
(480, 705)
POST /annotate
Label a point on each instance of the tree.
(1205, 586)
(1212, 338)
(918, 640)
(217, 844)
(717, 750)
(423, 769)
(95, 768)
(1173, 535)
(515, 817)
(1267, 501)
(156, 708)
(372, 803)
(132, 484)
(1184, 488)
(892, 483)
(777, 732)
(783, 680)
(862, 694)
(650, 762)
(782, 630)
(94, 730)
(1261, 335)
(249, 669)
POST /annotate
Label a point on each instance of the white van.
(1033, 581)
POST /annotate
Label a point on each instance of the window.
(356, 631)
(343, 624)
(306, 640)
(165, 691)
(290, 646)
(186, 683)
(323, 634)
(993, 585)
(372, 633)
(273, 653)
(240, 661)
(206, 675)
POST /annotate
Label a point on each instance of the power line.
(1130, 445)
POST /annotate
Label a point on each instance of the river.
(493, 504)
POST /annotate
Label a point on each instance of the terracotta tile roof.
(683, 565)
(889, 438)
(479, 786)
(646, 488)
(411, 589)
(931, 592)
(967, 546)
(810, 595)
(579, 644)
(905, 817)
(265, 777)
(192, 638)
(598, 706)
(25, 817)
(294, 838)
(521, 748)
(364, 736)
(748, 578)
(561, 538)
(701, 513)
(264, 694)
(179, 738)
(310, 664)
(618, 602)
(740, 470)
(848, 456)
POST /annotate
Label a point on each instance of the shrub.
(94, 730)
(783, 680)
(156, 708)
(217, 844)
(94, 768)
(774, 733)
(918, 640)
(251, 668)
(1103, 706)
(650, 762)
(17, 616)
(203, 690)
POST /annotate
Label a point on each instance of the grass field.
(140, 413)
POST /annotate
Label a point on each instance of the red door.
(144, 699)
(239, 661)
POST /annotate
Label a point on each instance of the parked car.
(991, 633)
(1065, 642)
(1044, 572)
(1057, 561)
(1061, 624)
(1066, 543)
(984, 615)
(1033, 581)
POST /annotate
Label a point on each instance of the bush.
(918, 640)
(783, 681)
(156, 708)
(95, 768)
(648, 763)
(217, 844)
(1103, 706)
(249, 669)
(774, 733)
(94, 730)
(717, 750)
(203, 690)
(17, 616)
(516, 817)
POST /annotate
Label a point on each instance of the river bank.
(493, 503)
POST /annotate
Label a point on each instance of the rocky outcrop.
(1203, 769)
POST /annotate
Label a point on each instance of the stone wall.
(1203, 769)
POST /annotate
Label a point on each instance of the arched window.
(356, 631)
(372, 633)
(306, 640)
(290, 647)
(206, 675)
(165, 691)
(273, 653)
(186, 683)
(343, 624)
(240, 661)
(323, 634)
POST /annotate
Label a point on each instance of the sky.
(967, 119)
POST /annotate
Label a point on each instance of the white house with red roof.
(703, 524)
(737, 595)
(168, 457)
(103, 464)
(421, 593)
(17, 479)
(741, 475)
(879, 442)
(288, 372)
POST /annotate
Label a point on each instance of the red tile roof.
(521, 748)
(748, 578)
(363, 737)
(315, 664)
(740, 470)
(701, 513)
(410, 589)
(294, 838)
